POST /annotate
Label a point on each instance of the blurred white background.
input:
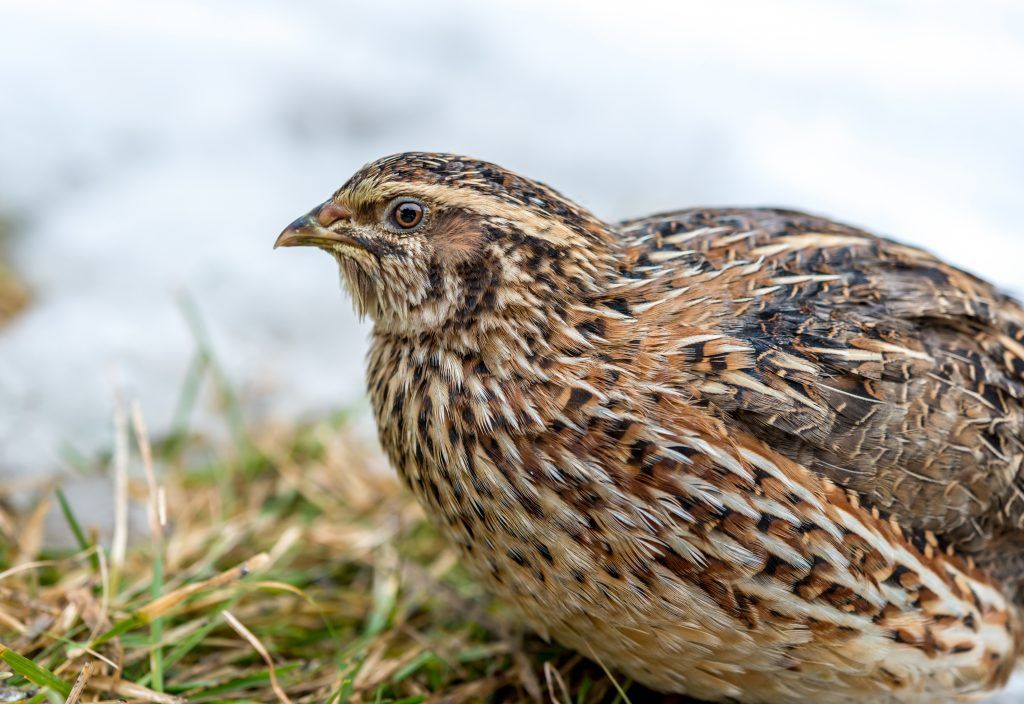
(153, 149)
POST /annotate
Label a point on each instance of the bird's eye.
(407, 215)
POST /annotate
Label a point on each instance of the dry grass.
(287, 567)
(14, 294)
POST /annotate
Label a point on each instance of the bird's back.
(867, 361)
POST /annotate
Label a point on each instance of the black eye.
(406, 214)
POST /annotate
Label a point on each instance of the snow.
(153, 150)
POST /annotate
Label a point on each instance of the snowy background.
(150, 150)
(153, 150)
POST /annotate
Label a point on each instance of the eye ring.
(406, 214)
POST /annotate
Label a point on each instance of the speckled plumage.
(747, 455)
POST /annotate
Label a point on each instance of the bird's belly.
(750, 642)
(610, 596)
(673, 638)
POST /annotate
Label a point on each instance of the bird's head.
(429, 241)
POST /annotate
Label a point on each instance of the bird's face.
(426, 241)
(385, 242)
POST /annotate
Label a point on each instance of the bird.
(741, 454)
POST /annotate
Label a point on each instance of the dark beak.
(312, 228)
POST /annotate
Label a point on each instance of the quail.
(747, 455)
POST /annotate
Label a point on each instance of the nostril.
(331, 213)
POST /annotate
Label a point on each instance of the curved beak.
(312, 228)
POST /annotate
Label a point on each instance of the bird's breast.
(586, 503)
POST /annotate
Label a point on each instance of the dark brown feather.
(934, 435)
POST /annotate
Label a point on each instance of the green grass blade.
(156, 628)
(229, 397)
(188, 644)
(76, 528)
(238, 684)
(34, 673)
